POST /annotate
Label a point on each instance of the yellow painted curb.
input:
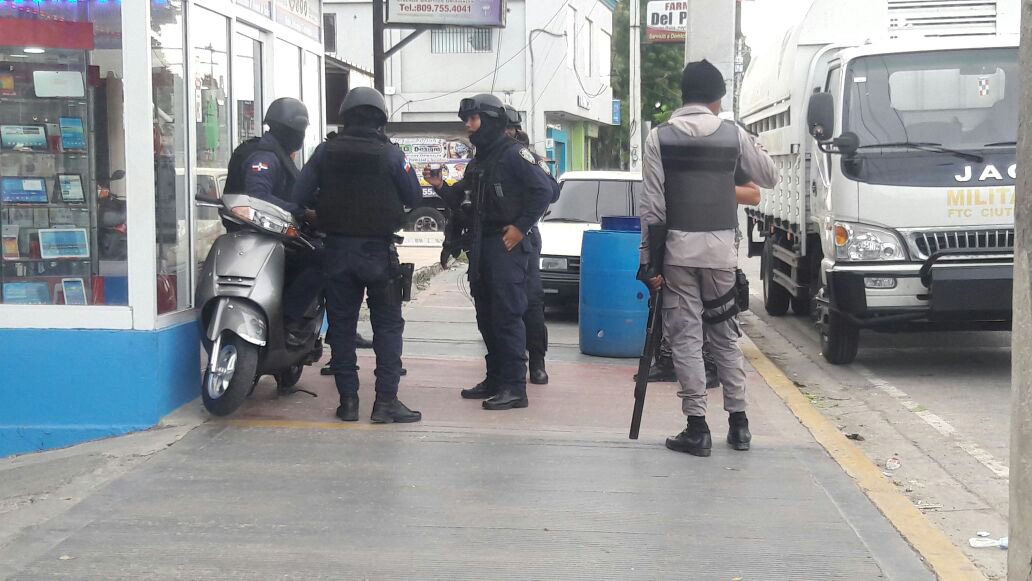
(946, 559)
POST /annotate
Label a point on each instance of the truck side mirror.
(820, 117)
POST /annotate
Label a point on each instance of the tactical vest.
(700, 178)
(356, 194)
(236, 170)
(502, 204)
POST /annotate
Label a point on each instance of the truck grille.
(928, 243)
(573, 265)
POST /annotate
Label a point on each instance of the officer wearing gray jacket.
(689, 172)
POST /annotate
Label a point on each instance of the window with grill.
(461, 40)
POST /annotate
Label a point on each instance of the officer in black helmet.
(264, 168)
(508, 193)
(534, 319)
(359, 183)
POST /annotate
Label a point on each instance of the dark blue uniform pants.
(534, 318)
(500, 297)
(304, 283)
(355, 267)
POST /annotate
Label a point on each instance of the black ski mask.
(491, 129)
(290, 139)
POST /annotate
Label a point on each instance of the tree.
(661, 66)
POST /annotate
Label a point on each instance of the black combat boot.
(694, 440)
(508, 398)
(538, 375)
(738, 436)
(661, 371)
(483, 390)
(389, 409)
(348, 409)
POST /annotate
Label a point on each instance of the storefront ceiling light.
(34, 50)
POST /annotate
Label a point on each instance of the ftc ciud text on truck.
(895, 207)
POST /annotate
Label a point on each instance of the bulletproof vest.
(356, 194)
(237, 167)
(503, 203)
(700, 178)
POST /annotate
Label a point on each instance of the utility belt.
(737, 297)
(401, 274)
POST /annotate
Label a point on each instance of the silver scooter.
(240, 295)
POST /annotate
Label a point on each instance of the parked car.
(586, 197)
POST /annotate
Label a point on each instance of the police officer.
(509, 193)
(359, 183)
(263, 168)
(689, 172)
(534, 319)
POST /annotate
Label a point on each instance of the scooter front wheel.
(232, 372)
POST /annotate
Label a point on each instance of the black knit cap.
(702, 82)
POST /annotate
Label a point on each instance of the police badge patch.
(544, 166)
(527, 155)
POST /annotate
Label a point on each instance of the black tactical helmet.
(363, 97)
(482, 104)
(513, 117)
(289, 113)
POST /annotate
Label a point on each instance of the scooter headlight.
(265, 221)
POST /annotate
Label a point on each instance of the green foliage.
(661, 66)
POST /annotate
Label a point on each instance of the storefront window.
(62, 154)
(247, 87)
(210, 33)
(311, 77)
(170, 191)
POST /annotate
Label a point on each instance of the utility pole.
(634, 93)
(378, 57)
(1019, 558)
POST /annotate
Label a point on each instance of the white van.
(586, 197)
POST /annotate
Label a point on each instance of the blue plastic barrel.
(614, 305)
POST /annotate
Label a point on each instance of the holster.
(742, 286)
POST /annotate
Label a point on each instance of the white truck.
(895, 206)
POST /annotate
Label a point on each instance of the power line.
(510, 59)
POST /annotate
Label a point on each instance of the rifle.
(654, 329)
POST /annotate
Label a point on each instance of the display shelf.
(35, 100)
(82, 154)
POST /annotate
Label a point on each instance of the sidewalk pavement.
(556, 491)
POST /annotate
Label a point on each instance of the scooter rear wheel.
(232, 373)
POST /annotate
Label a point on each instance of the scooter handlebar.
(208, 200)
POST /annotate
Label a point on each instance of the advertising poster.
(666, 22)
(446, 12)
(449, 155)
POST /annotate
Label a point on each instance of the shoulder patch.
(527, 155)
(543, 165)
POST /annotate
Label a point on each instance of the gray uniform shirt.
(715, 249)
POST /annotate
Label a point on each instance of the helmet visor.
(468, 107)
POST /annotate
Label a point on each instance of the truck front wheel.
(425, 219)
(776, 298)
(840, 339)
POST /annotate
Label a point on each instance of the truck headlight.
(553, 263)
(863, 243)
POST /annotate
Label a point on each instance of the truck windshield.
(955, 99)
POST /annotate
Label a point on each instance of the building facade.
(552, 62)
(113, 116)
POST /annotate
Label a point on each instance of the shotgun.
(654, 328)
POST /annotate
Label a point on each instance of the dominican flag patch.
(260, 167)
(408, 166)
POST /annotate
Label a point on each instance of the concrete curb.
(945, 559)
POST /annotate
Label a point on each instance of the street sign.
(474, 13)
(616, 112)
(304, 16)
(666, 21)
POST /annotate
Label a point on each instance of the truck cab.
(895, 208)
